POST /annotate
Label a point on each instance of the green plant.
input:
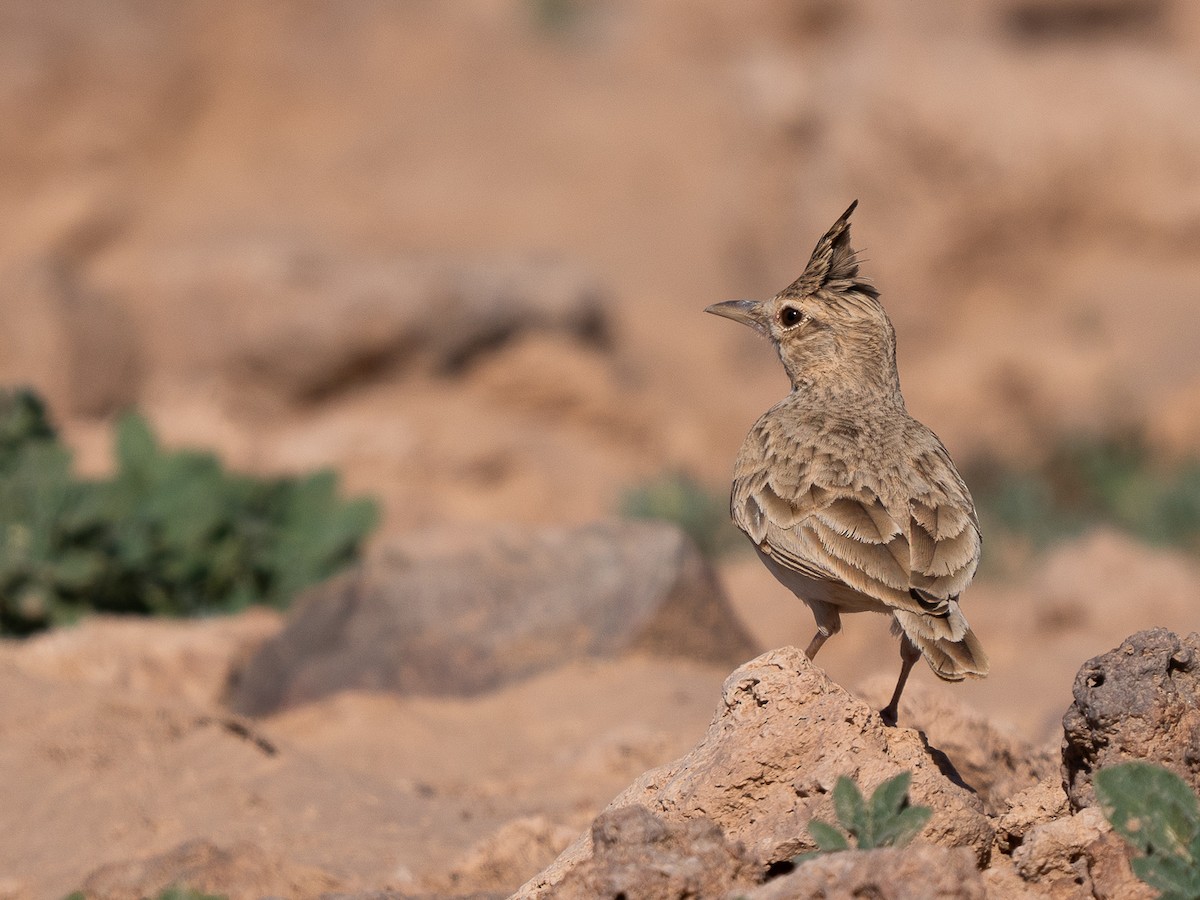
(887, 820)
(1086, 481)
(171, 893)
(42, 555)
(679, 498)
(185, 893)
(555, 16)
(1156, 812)
(171, 532)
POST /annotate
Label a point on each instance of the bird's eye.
(789, 316)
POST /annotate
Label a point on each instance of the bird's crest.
(833, 266)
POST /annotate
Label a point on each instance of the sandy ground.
(120, 749)
(190, 190)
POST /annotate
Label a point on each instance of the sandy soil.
(120, 748)
(187, 186)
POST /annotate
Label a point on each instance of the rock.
(243, 871)
(918, 872)
(1140, 701)
(321, 323)
(1001, 879)
(502, 861)
(782, 735)
(1075, 20)
(1043, 802)
(993, 762)
(1078, 856)
(638, 854)
(459, 612)
(1112, 876)
(1052, 852)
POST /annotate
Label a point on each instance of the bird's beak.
(748, 312)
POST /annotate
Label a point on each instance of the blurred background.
(459, 252)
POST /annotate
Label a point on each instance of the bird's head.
(828, 325)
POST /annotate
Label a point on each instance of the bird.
(849, 501)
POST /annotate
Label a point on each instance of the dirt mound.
(992, 759)
(784, 732)
(383, 795)
(459, 252)
(1140, 701)
(115, 745)
(782, 736)
(921, 872)
(240, 872)
(637, 854)
(459, 613)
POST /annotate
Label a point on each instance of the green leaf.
(850, 807)
(892, 821)
(1158, 814)
(889, 798)
(828, 838)
(677, 497)
(75, 569)
(137, 449)
(900, 828)
(1149, 806)
(178, 892)
(1169, 874)
(170, 533)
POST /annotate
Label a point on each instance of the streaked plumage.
(851, 503)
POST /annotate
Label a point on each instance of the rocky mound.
(391, 794)
(729, 818)
(456, 612)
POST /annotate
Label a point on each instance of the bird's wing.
(815, 520)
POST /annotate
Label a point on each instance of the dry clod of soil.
(321, 324)
(1140, 701)
(919, 872)
(243, 871)
(996, 764)
(455, 612)
(1043, 802)
(782, 735)
(505, 858)
(638, 854)
(1078, 856)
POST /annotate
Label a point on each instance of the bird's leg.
(829, 623)
(909, 654)
(815, 644)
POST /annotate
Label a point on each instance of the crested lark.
(853, 504)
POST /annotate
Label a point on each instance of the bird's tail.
(947, 643)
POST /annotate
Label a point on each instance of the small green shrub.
(886, 820)
(1156, 812)
(170, 533)
(555, 16)
(1083, 482)
(679, 498)
(185, 893)
(171, 893)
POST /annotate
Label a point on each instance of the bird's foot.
(890, 714)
